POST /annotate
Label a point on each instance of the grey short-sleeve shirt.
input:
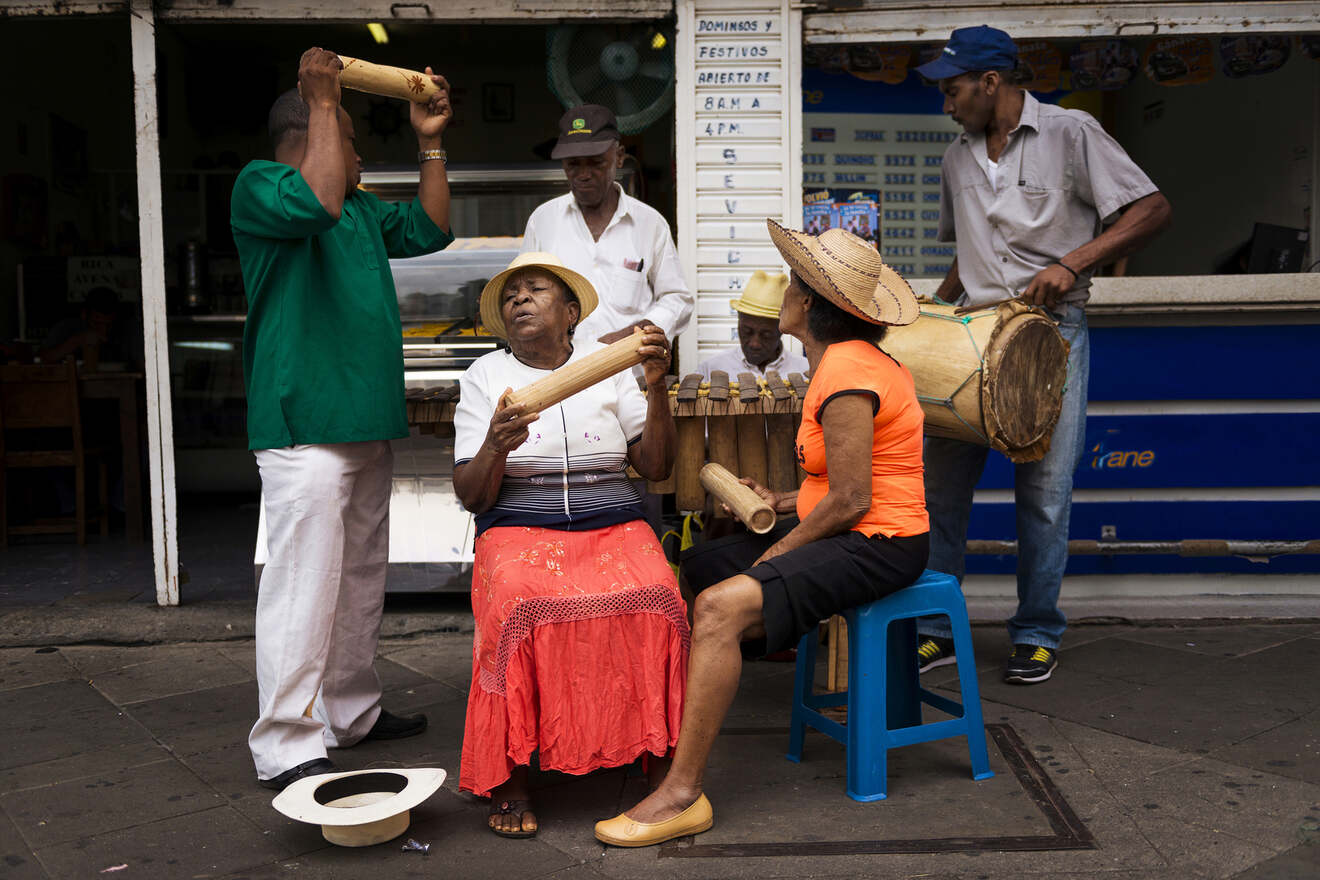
(1061, 177)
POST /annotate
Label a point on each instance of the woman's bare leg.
(723, 615)
(656, 771)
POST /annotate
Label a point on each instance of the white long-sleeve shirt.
(731, 361)
(633, 266)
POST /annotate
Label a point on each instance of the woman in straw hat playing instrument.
(581, 642)
(863, 527)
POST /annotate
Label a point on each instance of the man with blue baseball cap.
(1036, 197)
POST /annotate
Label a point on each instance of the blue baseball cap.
(972, 49)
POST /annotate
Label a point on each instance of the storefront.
(1201, 397)
(184, 91)
(1200, 387)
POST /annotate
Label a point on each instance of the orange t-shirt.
(898, 494)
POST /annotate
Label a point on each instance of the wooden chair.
(45, 396)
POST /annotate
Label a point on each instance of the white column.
(160, 429)
(685, 170)
(738, 124)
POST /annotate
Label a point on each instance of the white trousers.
(320, 599)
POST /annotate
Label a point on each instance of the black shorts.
(802, 587)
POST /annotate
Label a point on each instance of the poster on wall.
(860, 217)
(1253, 55)
(1039, 66)
(1102, 64)
(818, 212)
(121, 274)
(1179, 61)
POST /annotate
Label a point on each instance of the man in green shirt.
(323, 364)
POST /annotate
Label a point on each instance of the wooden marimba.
(747, 425)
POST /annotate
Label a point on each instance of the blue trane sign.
(1220, 446)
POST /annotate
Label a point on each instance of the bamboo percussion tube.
(722, 439)
(750, 507)
(782, 459)
(688, 494)
(572, 378)
(381, 79)
(752, 457)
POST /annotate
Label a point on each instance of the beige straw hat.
(359, 807)
(848, 272)
(491, 318)
(763, 295)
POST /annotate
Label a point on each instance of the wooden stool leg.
(104, 491)
(837, 676)
(80, 501)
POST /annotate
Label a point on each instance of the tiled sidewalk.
(1178, 751)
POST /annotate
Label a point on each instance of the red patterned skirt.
(580, 652)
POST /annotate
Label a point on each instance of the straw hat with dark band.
(492, 318)
(849, 273)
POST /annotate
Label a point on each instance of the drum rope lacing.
(947, 402)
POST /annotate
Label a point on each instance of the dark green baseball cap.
(585, 130)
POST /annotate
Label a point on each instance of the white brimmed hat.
(493, 320)
(763, 295)
(848, 272)
(359, 807)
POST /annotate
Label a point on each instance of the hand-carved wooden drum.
(993, 377)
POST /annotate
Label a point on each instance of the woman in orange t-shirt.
(863, 529)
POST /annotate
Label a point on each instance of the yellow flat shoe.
(622, 831)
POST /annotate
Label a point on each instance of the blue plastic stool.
(884, 693)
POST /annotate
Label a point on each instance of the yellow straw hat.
(491, 318)
(848, 272)
(763, 295)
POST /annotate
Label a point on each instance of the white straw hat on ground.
(763, 295)
(493, 320)
(848, 272)
(359, 807)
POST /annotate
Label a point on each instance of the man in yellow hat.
(760, 345)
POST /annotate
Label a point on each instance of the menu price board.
(893, 160)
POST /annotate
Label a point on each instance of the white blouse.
(571, 472)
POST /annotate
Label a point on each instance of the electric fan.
(626, 67)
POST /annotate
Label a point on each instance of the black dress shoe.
(314, 767)
(389, 726)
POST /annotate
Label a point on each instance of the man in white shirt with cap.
(621, 245)
(760, 347)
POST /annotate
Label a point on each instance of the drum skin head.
(1022, 383)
